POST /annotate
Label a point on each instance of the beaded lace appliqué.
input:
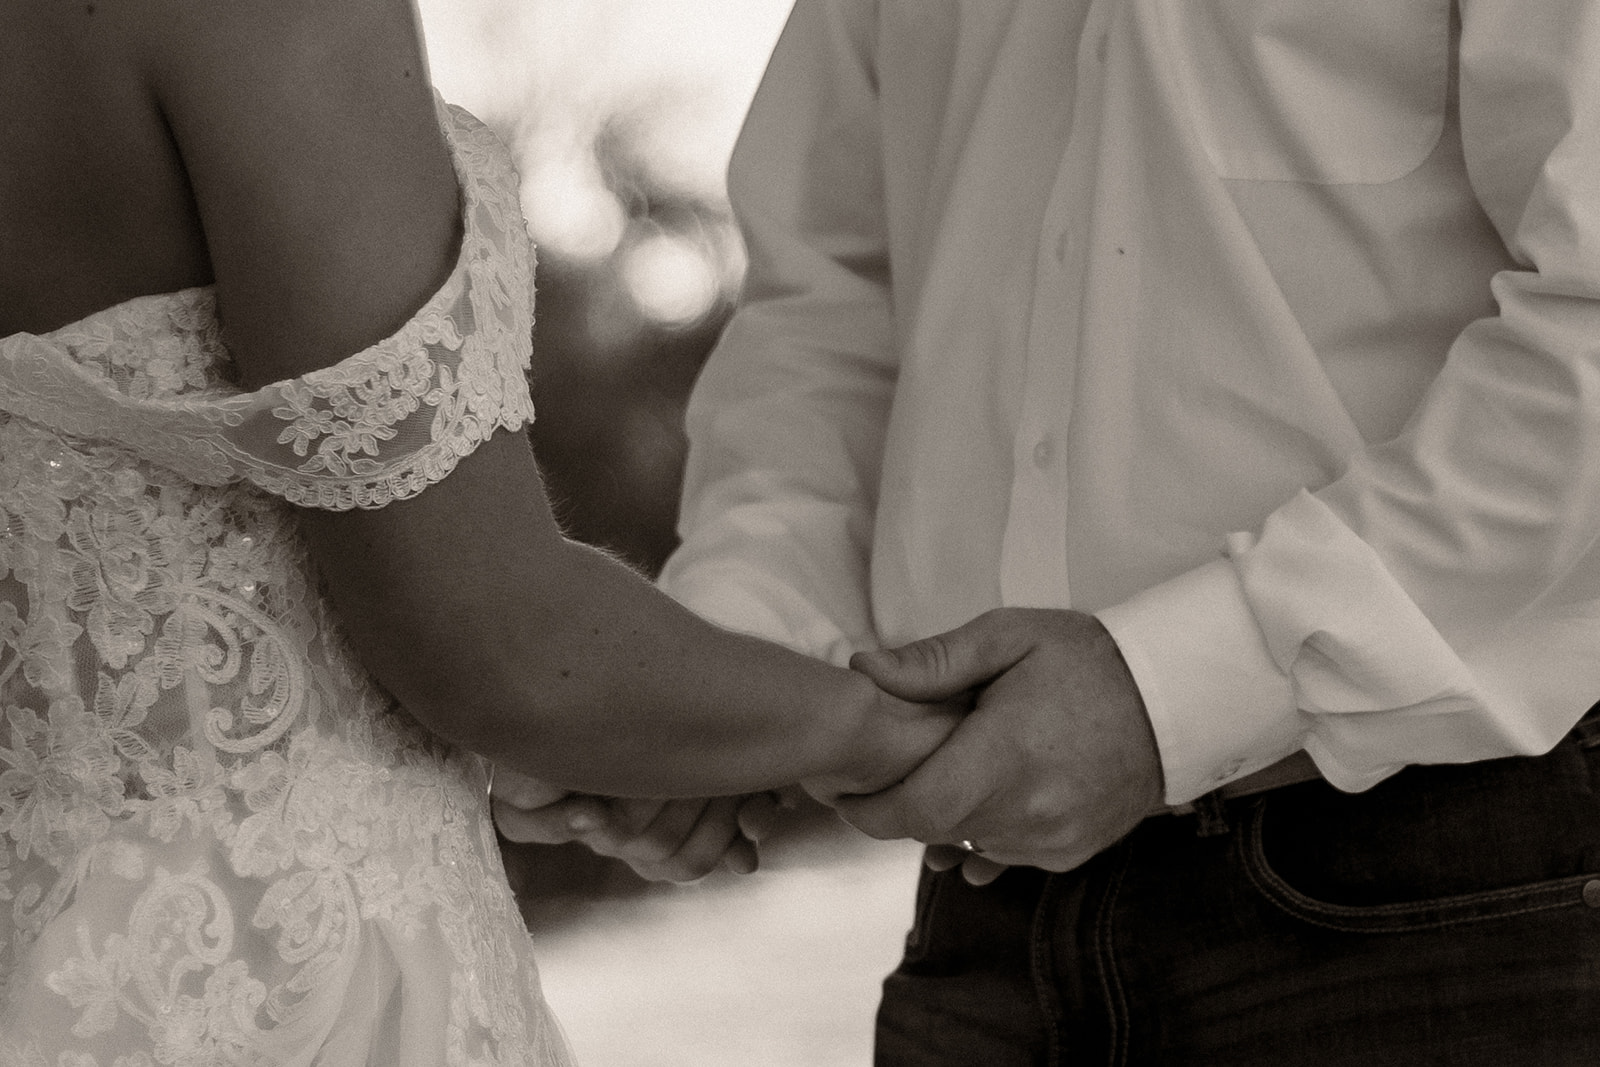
(216, 833)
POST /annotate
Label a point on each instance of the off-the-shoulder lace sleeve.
(381, 425)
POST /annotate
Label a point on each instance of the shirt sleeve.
(1439, 602)
(786, 423)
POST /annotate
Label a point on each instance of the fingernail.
(582, 823)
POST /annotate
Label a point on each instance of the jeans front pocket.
(1323, 91)
(1424, 913)
(1432, 846)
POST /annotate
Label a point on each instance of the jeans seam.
(1391, 918)
(916, 947)
(1041, 944)
(1110, 980)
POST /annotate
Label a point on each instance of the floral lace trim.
(234, 775)
(447, 380)
(158, 345)
(218, 837)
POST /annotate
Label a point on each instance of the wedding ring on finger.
(969, 845)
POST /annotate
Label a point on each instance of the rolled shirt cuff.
(1218, 703)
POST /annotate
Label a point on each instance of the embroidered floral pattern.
(220, 842)
(383, 425)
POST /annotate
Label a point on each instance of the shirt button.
(1043, 452)
(1591, 892)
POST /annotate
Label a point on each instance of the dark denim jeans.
(1450, 916)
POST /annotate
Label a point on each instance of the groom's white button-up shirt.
(1267, 330)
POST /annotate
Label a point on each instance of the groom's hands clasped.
(1056, 762)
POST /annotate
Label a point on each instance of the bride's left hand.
(662, 840)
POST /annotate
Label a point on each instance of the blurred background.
(621, 114)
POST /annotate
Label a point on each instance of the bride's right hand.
(662, 840)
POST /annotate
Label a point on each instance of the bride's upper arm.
(331, 213)
(308, 132)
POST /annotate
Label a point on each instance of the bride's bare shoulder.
(186, 42)
(94, 206)
(322, 178)
(107, 107)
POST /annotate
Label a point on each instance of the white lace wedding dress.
(220, 841)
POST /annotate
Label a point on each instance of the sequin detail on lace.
(220, 841)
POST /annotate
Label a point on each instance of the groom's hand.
(1056, 762)
(662, 840)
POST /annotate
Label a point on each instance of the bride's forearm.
(506, 638)
(599, 682)
(628, 693)
(615, 688)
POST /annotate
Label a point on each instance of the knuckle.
(1003, 620)
(649, 872)
(1004, 643)
(602, 842)
(514, 793)
(1062, 860)
(1039, 809)
(927, 656)
(523, 792)
(514, 826)
(691, 869)
(921, 826)
(871, 818)
(651, 850)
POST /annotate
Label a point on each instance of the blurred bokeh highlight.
(622, 114)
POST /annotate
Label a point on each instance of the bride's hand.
(662, 840)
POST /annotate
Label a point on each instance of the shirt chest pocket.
(1324, 91)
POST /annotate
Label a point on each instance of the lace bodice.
(220, 841)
